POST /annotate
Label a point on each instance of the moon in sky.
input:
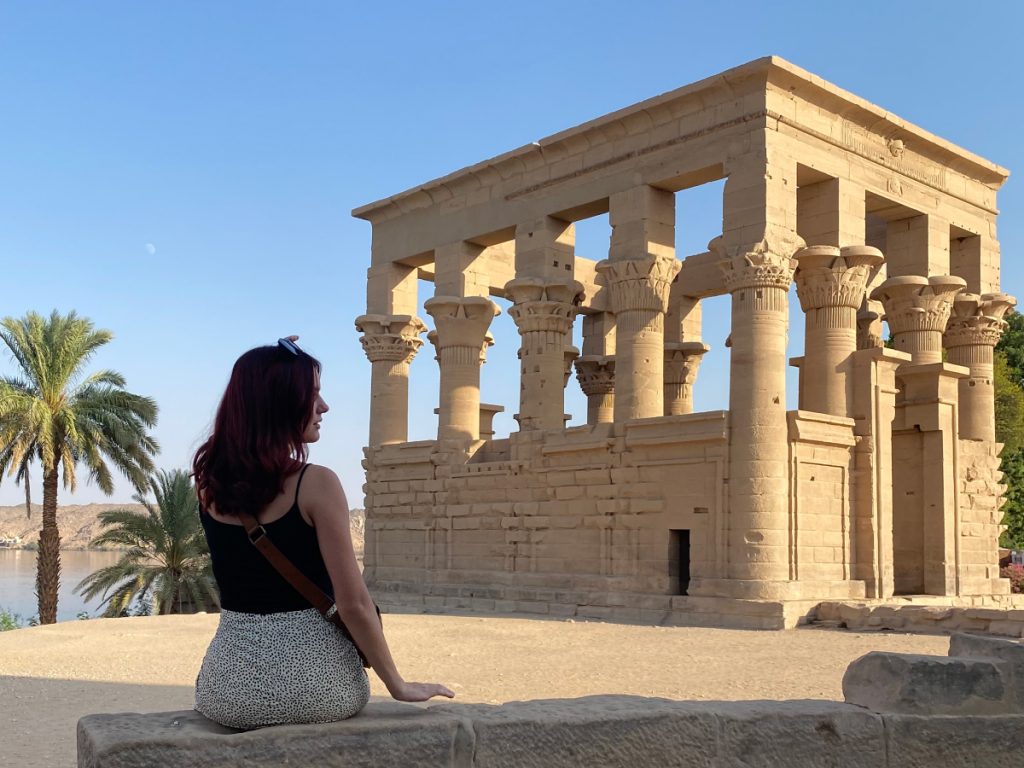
(150, 249)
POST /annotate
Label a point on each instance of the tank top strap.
(299, 484)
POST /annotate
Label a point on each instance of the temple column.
(973, 331)
(758, 278)
(596, 375)
(639, 290)
(926, 510)
(461, 339)
(682, 360)
(830, 282)
(543, 310)
(638, 273)
(917, 310)
(390, 343)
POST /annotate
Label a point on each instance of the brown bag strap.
(300, 582)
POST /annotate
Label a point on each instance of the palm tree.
(53, 413)
(166, 560)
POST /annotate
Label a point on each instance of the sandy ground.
(51, 676)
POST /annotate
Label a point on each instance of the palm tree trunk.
(28, 494)
(175, 606)
(48, 559)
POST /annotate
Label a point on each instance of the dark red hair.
(257, 434)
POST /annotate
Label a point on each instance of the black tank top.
(248, 583)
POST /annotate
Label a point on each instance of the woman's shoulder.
(319, 473)
(321, 480)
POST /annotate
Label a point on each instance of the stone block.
(915, 741)
(1009, 654)
(384, 734)
(621, 731)
(798, 733)
(934, 685)
(568, 492)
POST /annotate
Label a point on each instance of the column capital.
(977, 320)
(569, 356)
(541, 304)
(462, 349)
(640, 284)
(915, 304)
(828, 276)
(869, 329)
(759, 265)
(460, 321)
(390, 338)
(596, 374)
(682, 360)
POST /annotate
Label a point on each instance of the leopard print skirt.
(277, 668)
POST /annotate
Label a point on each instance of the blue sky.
(182, 173)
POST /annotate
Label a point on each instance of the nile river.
(18, 582)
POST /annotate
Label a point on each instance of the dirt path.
(53, 675)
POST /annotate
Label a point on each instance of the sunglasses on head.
(289, 345)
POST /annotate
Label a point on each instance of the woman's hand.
(420, 691)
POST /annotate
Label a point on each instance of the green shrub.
(8, 620)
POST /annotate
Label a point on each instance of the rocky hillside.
(79, 524)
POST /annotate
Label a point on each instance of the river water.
(18, 582)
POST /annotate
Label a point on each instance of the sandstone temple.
(884, 482)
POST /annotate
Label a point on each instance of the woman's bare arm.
(323, 499)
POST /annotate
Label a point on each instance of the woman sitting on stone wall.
(275, 659)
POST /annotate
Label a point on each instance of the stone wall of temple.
(981, 497)
(591, 511)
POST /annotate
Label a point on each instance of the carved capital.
(390, 338)
(682, 360)
(596, 374)
(915, 304)
(869, 330)
(827, 276)
(640, 284)
(568, 358)
(461, 322)
(543, 305)
(756, 266)
(977, 320)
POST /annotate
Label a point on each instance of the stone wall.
(981, 497)
(578, 524)
(994, 614)
(597, 731)
(821, 461)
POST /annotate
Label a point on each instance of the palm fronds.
(166, 559)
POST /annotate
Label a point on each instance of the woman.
(274, 658)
